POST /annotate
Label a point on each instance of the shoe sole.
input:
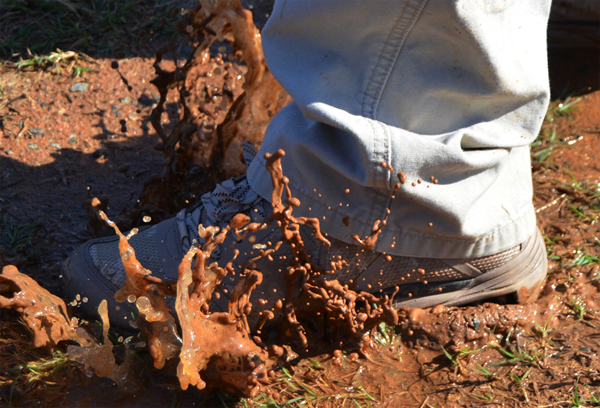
(523, 276)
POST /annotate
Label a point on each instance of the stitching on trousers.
(389, 54)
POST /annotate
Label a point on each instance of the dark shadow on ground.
(53, 197)
(574, 47)
(574, 58)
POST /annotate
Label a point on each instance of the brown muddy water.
(496, 353)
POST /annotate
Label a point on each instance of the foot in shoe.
(95, 270)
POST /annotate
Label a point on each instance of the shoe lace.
(229, 198)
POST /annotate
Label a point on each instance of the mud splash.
(100, 357)
(45, 314)
(219, 339)
(221, 103)
(148, 293)
(217, 349)
(338, 313)
(220, 344)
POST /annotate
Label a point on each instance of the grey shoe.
(94, 271)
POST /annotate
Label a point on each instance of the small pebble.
(79, 87)
(33, 146)
(9, 153)
(100, 152)
(72, 140)
(127, 99)
(36, 131)
(55, 145)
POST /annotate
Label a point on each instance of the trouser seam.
(388, 56)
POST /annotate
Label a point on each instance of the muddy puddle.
(329, 346)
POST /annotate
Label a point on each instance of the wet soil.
(67, 146)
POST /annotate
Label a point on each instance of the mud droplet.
(147, 218)
(402, 177)
(439, 309)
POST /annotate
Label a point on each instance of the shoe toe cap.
(87, 286)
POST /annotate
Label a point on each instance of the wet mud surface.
(497, 353)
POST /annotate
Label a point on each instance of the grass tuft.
(55, 62)
(90, 26)
(563, 108)
(21, 239)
